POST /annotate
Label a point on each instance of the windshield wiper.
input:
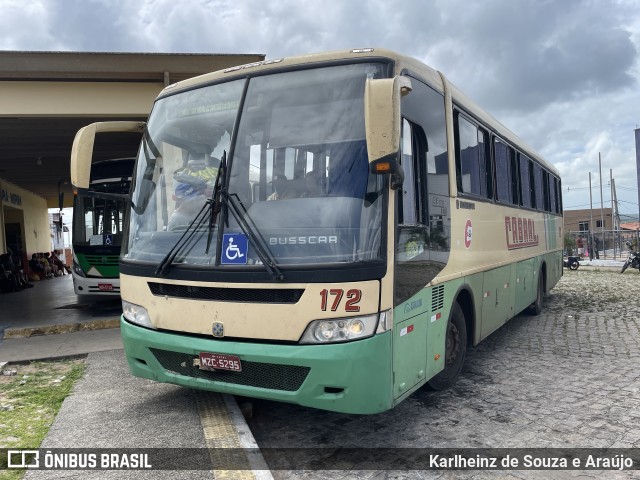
(198, 221)
(250, 229)
(221, 198)
(216, 204)
(211, 208)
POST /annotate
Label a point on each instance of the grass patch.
(29, 402)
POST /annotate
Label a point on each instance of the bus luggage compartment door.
(409, 353)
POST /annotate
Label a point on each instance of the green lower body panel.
(353, 377)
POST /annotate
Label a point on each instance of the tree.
(569, 244)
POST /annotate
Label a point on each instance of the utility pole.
(613, 221)
(590, 207)
(604, 244)
(637, 135)
(615, 214)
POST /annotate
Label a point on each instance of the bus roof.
(402, 63)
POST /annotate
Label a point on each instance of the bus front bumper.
(353, 377)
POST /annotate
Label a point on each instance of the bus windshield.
(99, 211)
(294, 148)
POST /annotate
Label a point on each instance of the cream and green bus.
(332, 230)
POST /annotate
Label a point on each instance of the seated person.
(8, 280)
(283, 188)
(48, 273)
(55, 259)
(194, 185)
(36, 266)
(18, 270)
(54, 267)
(313, 184)
(280, 188)
(190, 198)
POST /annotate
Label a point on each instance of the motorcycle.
(571, 263)
(634, 259)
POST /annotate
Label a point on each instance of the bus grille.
(437, 297)
(263, 375)
(250, 295)
(106, 260)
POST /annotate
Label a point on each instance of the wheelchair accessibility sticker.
(234, 249)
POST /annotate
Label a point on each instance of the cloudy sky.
(564, 75)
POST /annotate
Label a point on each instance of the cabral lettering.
(521, 232)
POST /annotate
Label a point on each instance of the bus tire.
(455, 350)
(536, 307)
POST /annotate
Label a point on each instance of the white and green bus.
(332, 230)
(99, 218)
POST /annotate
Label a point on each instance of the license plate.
(219, 361)
(105, 287)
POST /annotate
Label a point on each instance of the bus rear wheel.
(536, 307)
(455, 350)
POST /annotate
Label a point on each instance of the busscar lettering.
(310, 240)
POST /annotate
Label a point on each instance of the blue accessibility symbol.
(108, 239)
(235, 247)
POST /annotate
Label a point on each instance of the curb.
(62, 328)
(259, 466)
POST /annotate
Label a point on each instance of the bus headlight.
(76, 266)
(340, 329)
(136, 314)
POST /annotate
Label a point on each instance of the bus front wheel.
(455, 350)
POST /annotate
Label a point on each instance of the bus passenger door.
(414, 270)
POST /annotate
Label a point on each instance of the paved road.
(569, 377)
(110, 409)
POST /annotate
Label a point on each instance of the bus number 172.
(353, 298)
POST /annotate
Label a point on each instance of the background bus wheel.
(455, 349)
(536, 307)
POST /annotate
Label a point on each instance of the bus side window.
(532, 180)
(525, 181)
(545, 185)
(504, 188)
(424, 114)
(539, 189)
(407, 201)
(471, 168)
(553, 206)
(515, 180)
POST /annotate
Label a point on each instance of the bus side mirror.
(60, 200)
(382, 122)
(82, 149)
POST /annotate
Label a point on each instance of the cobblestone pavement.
(568, 378)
